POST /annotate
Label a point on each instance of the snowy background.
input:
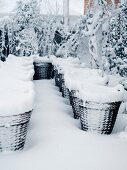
(76, 6)
(55, 140)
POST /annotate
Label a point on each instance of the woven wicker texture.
(99, 118)
(42, 71)
(61, 82)
(13, 130)
(57, 79)
(65, 91)
(74, 101)
(52, 72)
(70, 97)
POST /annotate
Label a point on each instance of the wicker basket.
(59, 81)
(62, 82)
(74, 101)
(55, 72)
(57, 78)
(52, 72)
(98, 117)
(13, 130)
(70, 97)
(42, 71)
(65, 91)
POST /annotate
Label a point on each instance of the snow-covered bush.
(116, 45)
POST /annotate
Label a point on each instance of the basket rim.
(16, 115)
(42, 63)
(91, 102)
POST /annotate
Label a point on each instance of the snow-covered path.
(56, 142)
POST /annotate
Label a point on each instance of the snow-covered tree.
(1, 42)
(27, 14)
(50, 27)
(46, 39)
(27, 42)
(72, 39)
(116, 48)
(25, 27)
(90, 26)
(4, 42)
(30, 22)
(95, 30)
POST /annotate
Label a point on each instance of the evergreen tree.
(116, 47)
(27, 14)
(26, 23)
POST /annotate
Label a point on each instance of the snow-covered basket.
(42, 70)
(98, 117)
(61, 65)
(17, 101)
(76, 76)
(58, 78)
(99, 107)
(60, 82)
(64, 90)
(13, 130)
(74, 101)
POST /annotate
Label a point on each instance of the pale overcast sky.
(76, 6)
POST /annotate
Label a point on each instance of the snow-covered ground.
(55, 140)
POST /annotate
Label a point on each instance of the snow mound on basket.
(61, 62)
(16, 87)
(100, 94)
(62, 65)
(23, 61)
(77, 76)
(18, 68)
(16, 102)
(92, 86)
(45, 59)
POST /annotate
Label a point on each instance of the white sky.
(76, 6)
